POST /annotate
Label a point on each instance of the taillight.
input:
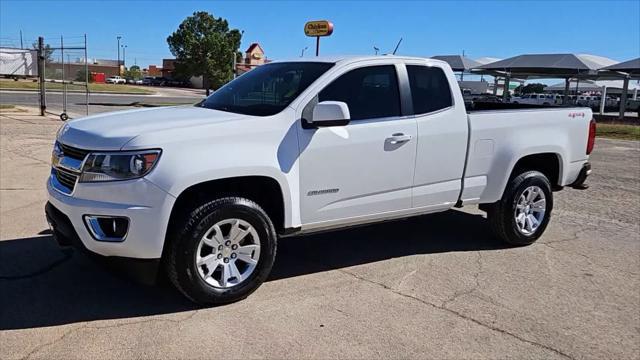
(592, 136)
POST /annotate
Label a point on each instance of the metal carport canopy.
(631, 67)
(578, 66)
(458, 62)
(550, 65)
(626, 70)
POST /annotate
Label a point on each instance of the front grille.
(74, 153)
(66, 178)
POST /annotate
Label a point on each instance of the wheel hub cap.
(228, 253)
(530, 210)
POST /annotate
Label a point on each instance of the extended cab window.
(429, 89)
(267, 89)
(370, 92)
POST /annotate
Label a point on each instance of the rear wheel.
(523, 213)
(222, 252)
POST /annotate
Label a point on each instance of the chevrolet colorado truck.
(295, 147)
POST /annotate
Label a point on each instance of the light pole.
(303, 50)
(119, 37)
(124, 56)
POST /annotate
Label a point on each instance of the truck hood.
(111, 131)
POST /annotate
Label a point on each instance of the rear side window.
(429, 89)
(370, 92)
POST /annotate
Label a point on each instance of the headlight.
(118, 165)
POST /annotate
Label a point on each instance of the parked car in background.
(633, 105)
(154, 81)
(583, 100)
(159, 81)
(207, 190)
(552, 99)
(532, 99)
(178, 83)
(147, 80)
(116, 80)
(609, 102)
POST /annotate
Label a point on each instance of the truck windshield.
(267, 89)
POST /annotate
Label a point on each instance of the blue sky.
(480, 28)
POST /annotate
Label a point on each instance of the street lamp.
(124, 56)
(305, 48)
(119, 37)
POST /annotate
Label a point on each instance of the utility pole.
(43, 103)
(119, 37)
(21, 47)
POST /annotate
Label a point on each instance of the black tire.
(180, 257)
(501, 214)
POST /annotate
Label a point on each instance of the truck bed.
(501, 135)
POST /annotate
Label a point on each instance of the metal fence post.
(64, 115)
(41, 64)
(86, 73)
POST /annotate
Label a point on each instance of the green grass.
(618, 131)
(9, 108)
(107, 88)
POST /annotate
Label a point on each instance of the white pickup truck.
(116, 80)
(296, 147)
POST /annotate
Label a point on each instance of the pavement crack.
(476, 278)
(459, 314)
(29, 157)
(43, 270)
(175, 321)
(17, 189)
(588, 259)
(51, 343)
(86, 326)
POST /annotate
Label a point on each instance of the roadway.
(100, 102)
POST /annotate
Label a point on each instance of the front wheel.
(523, 213)
(222, 252)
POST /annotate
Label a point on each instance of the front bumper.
(147, 206)
(142, 270)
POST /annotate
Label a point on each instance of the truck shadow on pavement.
(43, 285)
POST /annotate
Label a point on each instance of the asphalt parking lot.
(437, 286)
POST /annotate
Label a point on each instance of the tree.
(534, 88)
(133, 73)
(48, 52)
(81, 76)
(204, 46)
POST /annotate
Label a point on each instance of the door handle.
(398, 138)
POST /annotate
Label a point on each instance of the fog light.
(107, 228)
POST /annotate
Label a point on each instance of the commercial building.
(253, 56)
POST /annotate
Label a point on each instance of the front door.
(365, 168)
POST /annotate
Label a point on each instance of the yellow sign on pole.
(318, 28)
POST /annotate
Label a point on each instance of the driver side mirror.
(331, 113)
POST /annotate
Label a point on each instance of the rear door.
(358, 171)
(442, 137)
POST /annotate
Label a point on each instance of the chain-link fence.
(66, 75)
(50, 72)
